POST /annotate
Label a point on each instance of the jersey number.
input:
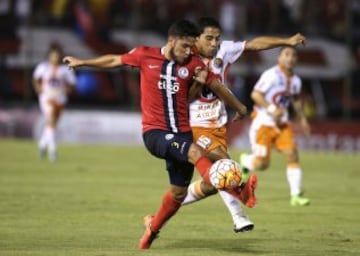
(53, 82)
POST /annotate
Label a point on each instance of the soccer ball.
(225, 174)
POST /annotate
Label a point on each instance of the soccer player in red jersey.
(166, 75)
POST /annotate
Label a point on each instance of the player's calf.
(197, 191)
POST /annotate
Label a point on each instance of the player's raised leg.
(200, 189)
(241, 222)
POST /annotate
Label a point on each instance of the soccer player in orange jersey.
(277, 89)
(208, 117)
(52, 81)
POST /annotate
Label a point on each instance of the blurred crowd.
(320, 17)
(93, 20)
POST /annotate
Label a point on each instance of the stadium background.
(108, 102)
(93, 199)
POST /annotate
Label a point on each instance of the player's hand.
(297, 40)
(240, 114)
(305, 127)
(200, 75)
(277, 114)
(72, 62)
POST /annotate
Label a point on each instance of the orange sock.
(168, 208)
(203, 165)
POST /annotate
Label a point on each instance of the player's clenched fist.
(72, 62)
(297, 39)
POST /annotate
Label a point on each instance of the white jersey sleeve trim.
(230, 51)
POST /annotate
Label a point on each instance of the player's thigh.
(286, 144)
(167, 145)
(51, 109)
(174, 149)
(180, 173)
(58, 109)
(45, 107)
(178, 192)
(218, 153)
(212, 140)
(262, 140)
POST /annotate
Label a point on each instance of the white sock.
(294, 177)
(51, 139)
(233, 205)
(247, 162)
(194, 193)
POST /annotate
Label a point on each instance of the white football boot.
(242, 224)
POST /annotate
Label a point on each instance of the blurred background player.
(52, 81)
(208, 117)
(166, 75)
(277, 88)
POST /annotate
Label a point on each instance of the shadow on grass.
(247, 245)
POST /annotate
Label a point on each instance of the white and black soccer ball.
(225, 174)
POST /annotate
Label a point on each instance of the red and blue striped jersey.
(164, 88)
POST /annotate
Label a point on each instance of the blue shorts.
(174, 148)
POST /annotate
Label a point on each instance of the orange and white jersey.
(208, 110)
(278, 89)
(54, 80)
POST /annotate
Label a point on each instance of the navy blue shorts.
(174, 148)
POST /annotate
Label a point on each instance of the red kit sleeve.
(133, 57)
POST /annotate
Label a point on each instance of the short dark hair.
(183, 28)
(56, 47)
(205, 22)
(285, 47)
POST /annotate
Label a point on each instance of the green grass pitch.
(92, 201)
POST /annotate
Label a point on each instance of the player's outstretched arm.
(268, 42)
(104, 61)
(228, 97)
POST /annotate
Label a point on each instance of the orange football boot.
(246, 192)
(149, 236)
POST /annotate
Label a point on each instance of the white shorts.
(47, 103)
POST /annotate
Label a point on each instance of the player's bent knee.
(293, 159)
(261, 164)
(292, 156)
(195, 152)
(178, 193)
(217, 154)
(207, 188)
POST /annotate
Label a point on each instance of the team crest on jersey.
(218, 63)
(183, 72)
(169, 136)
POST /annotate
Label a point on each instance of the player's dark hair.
(285, 47)
(183, 28)
(55, 47)
(205, 22)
